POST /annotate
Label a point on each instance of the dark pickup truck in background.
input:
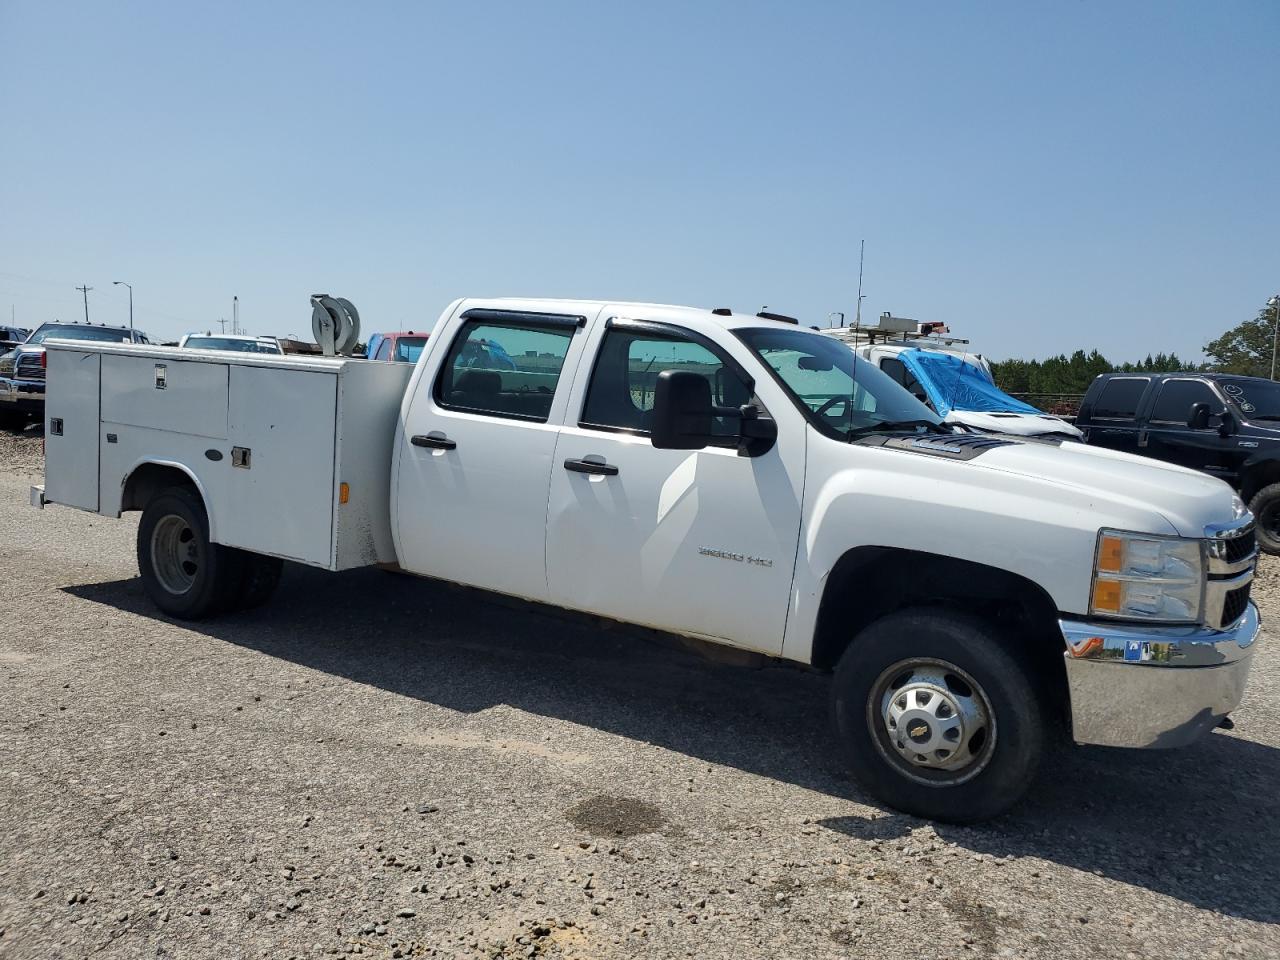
(1223, 424)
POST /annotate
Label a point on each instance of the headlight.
(1139, 576)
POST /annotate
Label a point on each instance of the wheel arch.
(1258, 472)
(870, 582)
(147, 478)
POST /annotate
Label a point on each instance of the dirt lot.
(387, 767)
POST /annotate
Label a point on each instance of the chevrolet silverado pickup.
(727, 477)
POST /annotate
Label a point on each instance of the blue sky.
(1043, 176)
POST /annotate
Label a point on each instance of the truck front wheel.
(939, 718)
(184, 574)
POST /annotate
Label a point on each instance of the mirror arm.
(756, 435)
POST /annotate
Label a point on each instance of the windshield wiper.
(889, 426)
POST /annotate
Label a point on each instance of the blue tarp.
(954, 384)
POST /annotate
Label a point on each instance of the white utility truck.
(722, 476)
(942, 372)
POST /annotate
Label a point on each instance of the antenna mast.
(857, 317)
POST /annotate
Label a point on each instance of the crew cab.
(22, 376)
(1225, 425)
(727, 477)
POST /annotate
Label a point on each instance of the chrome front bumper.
(27, 395)
(1154, 686)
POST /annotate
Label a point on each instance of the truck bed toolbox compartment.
(291, 454)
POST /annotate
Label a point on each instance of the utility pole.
(222, 324)
(117, 283)
(235, 315)
(1274, 303)
(857, 317)
(85, 290)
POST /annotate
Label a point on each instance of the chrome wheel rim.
(176, 556)
(932, 721)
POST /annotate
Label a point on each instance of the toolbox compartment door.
(183, 396)
(275, 490)
(72, 437)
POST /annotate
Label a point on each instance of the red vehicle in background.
(404, 347)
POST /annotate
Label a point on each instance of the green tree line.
(1244, 349)
(1073, 374)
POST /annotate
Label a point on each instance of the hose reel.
(335, 324)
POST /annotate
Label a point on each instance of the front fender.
(1031, 527)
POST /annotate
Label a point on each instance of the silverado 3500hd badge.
(737, 557)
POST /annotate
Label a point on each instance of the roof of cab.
(634, 310)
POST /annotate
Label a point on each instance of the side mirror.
(1228, 425)
(682, 411)
(1198, 418)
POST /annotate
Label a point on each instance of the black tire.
(13, 420)
(1265, 507)
(997, 765)
(174, 549)
(259, 578)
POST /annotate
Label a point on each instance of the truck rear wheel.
(938, 718)
(184, 574)
(1265, 506)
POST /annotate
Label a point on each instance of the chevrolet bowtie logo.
(918, 731)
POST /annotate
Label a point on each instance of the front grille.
(1237, 548)
(1234, 604)
(29, 367)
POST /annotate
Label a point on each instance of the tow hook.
(1226, 723)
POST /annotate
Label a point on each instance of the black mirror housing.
(1198, 417)
(682, 411)
(1228, 425)
(756, 434)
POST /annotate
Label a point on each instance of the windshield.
(834, 388)
(225, 343)
(78, 332)
(1257, 399)
(410, 348)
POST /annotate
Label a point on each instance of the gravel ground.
(380, 766)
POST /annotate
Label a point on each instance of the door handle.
(591, 466)
(435, 439)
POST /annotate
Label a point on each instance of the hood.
(1188, 500)
(1017, 424)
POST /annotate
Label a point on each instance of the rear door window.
(1120, 398)
(1176, 397)
(503, 370)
